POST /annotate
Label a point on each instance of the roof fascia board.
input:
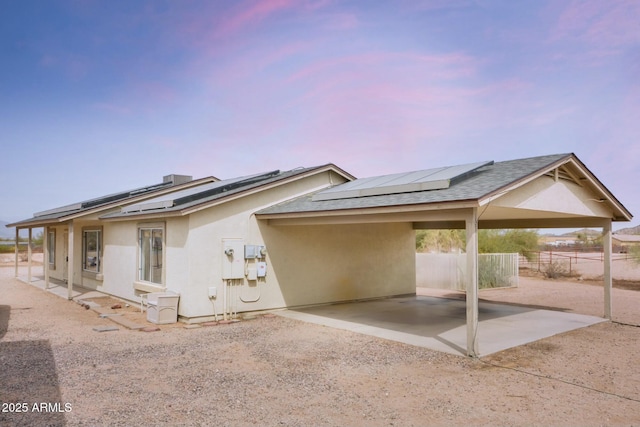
(599, 186)
(448, 210)
(36, 224)
(577, 222)
(569, 159)
(452, 216)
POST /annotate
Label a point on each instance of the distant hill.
(6, 233)
(629, 230)
(585, 231)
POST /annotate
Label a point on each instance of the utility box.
(254, 251)
(261, 268)
(162, 307)
(232, 259)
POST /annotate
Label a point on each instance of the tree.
(507, 241)
(489, 241)
(440, 240)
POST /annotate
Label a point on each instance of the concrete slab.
(105, 328)
(129, 324)
(440, 323)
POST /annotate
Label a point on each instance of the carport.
(554, 191)
(439, 323)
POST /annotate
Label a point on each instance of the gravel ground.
(56, 370)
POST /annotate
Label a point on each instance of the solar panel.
(424, 180)
(99, 201)
(196, 193)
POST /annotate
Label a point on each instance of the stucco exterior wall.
(305, 264)
(327, 263)
(120, 259)
(204, 258)
(58, 271)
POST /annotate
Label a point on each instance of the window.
(151, 258)
(51, 247)
(91, 249)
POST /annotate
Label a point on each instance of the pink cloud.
(612, 23)
(251, 15)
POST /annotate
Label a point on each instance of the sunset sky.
(101, 96)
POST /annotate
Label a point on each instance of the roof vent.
(177, 179)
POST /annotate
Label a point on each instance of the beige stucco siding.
(325, 263)
(234, 219)
(305, 264)
(120, 259)
(58, 271)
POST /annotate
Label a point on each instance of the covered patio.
(440, 323)
(555, 191)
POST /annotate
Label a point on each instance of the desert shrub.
(490, 275)
(7, 249)
(555, 270)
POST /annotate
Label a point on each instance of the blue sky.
(100, 96)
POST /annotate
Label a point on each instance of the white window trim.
(143, 285)
(92, 273)
(51, 248)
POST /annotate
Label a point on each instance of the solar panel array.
(197, 193)
(424, 180)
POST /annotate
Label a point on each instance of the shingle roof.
(63, 213)
(207, 196)
(627, 238)
(475, 186)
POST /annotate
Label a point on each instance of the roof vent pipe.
(177, 179)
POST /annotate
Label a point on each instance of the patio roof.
(478, 187)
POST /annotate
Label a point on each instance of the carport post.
(471, 224)
(608, 278)
(70, 262)
(45, 261)
(29, 255)
(16, 250)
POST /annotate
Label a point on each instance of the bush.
(490, 276)
(556, 269)
(7, 249)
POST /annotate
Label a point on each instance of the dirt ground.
(274, 371)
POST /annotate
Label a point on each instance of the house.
(310, 235)
(624, 242)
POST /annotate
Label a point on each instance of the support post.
(472, 283)
(608, 277)
(45, 261)
(70, 264)
(29, 255)
(17, 259)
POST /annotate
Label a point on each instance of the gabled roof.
(204, 196)
(627, 238)
(475, 187)
(100, 204)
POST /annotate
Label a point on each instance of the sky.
(102, 96)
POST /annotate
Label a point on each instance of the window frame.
(141, 278)
(99, 250)
(51, 248)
